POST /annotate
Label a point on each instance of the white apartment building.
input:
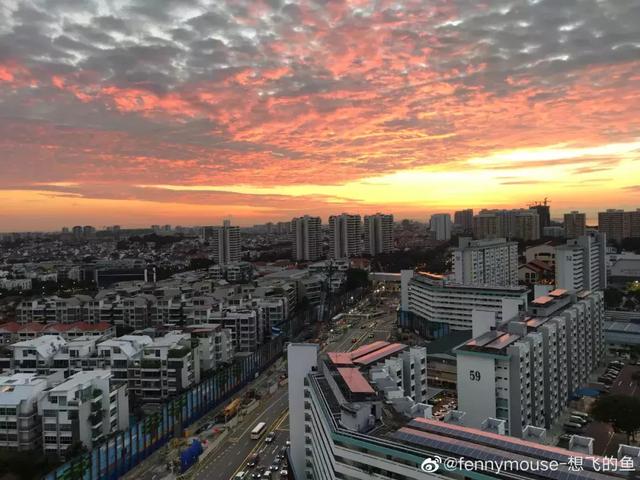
(345, 236)
(224, 241)
(168, 366)
(524, 370)
(36, 355)
(575, 224)
(545, 252)
(119, 354)
(581, 263)
(20, 426)
(440, 226)
(215, 345)
(433, 305)
(486, 262)
(307, 238)
(246, 327)
(51, 309)
(86, 408)
(378, 234)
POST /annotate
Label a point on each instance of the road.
(232, 456)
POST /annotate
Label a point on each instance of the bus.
(258, 431)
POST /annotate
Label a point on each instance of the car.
(270, 437)
(204, 427)
(287, 443)
(266, 475)
(578, 420)
(283, 451)
(371, 335)
(240, 476)
(253, 460)
(354, 340)
(256, 475)
(582, 415)
(284, 473)
(275, 467)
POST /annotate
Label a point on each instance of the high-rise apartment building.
(440, 226)
(464, 220)
(544, 214)
(618, 224)
(225, 242)
(345, 236)
(486, 262)
(581, 263)
(575, 224)
(307, 238)
(433, 305)
(522, 224)
(525, 369)
(378, 234)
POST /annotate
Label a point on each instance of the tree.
(622, 411)
(356, 278)
(613, 297)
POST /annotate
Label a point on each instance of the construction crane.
(540, 204)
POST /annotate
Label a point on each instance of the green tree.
(622, 411)
(613, 297)
(356, 278)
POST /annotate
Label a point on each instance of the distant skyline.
(189, 111)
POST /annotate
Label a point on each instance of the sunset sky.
(136, 112)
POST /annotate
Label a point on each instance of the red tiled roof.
(355, 380)
(32, 327)
(365, 349)
(379, 354)
(340, 358)
(12, 327)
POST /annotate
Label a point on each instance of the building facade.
(440, 227)
(575, 224)
(486, 262)
(345, 236)
(224, 241)
(432, 305)
(581, 263)
(378, 234)
(307, 238)
(523, 370)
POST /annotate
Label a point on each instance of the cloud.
(308, 92)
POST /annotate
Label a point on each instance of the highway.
(232, 456)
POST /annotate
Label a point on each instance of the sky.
(136, 112)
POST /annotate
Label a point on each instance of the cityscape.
(319, 240)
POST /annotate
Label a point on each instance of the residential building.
(345, 236)
(246, 327)
(307, 238)
(486, 262)
(378, 234)
(120, 354)
(524, 370)
(536, 271)
(581, 263)
(522, 224)
(545, 252)
(544, 215)
(85, 408)
(618, 224)
(464, 220)
(20, 425)
(225, 242)
(214, 344)
(341, 427)
(36, 355)
(440, 227)
(433, 305)
(575, 224)
(168, 366)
